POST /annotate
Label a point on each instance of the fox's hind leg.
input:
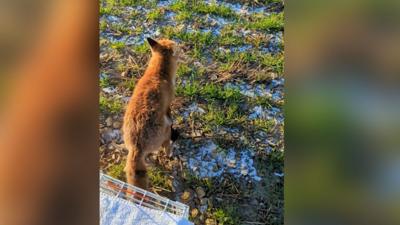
(167, 137)
(136, 170)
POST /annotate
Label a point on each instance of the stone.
(203, 208)
(194, 213)
(186, 196)
(204, 201)
(210, 221)
(109, 122)
(200, 192)
(116, 125)
(210, 203)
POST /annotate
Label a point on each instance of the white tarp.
(118, 211)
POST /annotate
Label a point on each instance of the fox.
(147, 123)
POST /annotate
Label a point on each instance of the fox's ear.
(153, 43)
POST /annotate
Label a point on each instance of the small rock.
(109, 121)
(204, 201)
(200, 192)
(116, 125)
(210, 221)
(194, 212)
(110, 146)
(203, 208)
(186, 196)
(210, 203)
(183, 158)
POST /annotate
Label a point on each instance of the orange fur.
(147, 121)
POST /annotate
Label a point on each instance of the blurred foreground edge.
(342, 112)
(48, 131)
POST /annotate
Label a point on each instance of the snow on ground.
(209, 161)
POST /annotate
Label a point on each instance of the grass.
(228, 115)
(104, 82)
(202, 8)
(103, 25)
(263, 124)
(227, 215)
(214, 9)
(119, 45)
(108, 105)
(210, 92)
(141, 49)
(274, 62)
(155, 14)
(117, 171)
(183, 15)
(274, 22)
(159, 179)
(198, 37)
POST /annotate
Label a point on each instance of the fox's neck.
(164, 67)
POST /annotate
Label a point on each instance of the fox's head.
(165, 47)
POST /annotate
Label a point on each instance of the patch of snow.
(274, 113)
(113, 19)
(109, 90)
(164, 3)
(250, 90)
(193, 108)
(278, 174)
(208, 162)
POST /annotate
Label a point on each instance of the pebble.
(194, 213)
(203, 208)
(109, 122)
(117, 125)
(186, 196)
(204, 201)
(200, 192)
(210, 221)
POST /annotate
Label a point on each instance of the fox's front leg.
(174, 134)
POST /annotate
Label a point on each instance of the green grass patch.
(274, 62)
(210, 92)
(117, 171)
(202, 38)
(202, 8)
(141, 49)
(103, 25)
(213, 8)
(183, 15)
(155, 14)
(108, 105)
(121, 28)
(130, 84)
(189, 90)
(158, 178)
(274, 22)
(230, 115)
(119, 45)
(263, 124)
(227, 215)
(104, 82)
(262, 101)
